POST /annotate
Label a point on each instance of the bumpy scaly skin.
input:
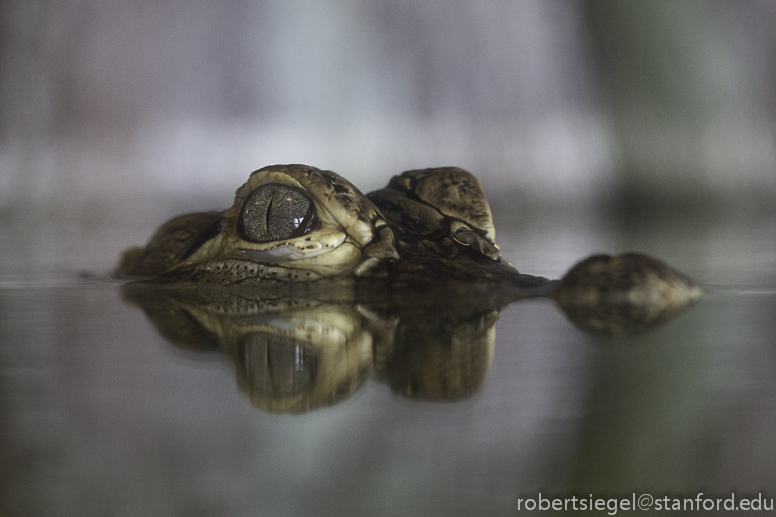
(406, 282)
(607, 294)
(435, 222)
(429, 231)
(443, 206)
(171, 244)
(350, 237)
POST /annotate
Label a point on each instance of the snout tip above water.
(624, 293)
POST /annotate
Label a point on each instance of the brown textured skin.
(631, 291)
(434, 222)
(167, 246)
(427, 235)
(413, 301)
(326, 187)
(341, 209)
(453, 192)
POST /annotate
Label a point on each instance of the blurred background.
(594, 126)
(106, 104)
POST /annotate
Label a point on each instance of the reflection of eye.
(274, 212)
(277, 366)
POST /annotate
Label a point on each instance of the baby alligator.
(428, 236)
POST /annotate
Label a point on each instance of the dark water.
(101, 415)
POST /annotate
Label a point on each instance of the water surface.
(101, 415)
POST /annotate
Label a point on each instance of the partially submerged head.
(287, 222)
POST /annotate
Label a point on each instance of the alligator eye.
(275, 212)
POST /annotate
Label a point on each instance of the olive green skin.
(427, 236)
(349, 237)
(436, 222)
(311, 287)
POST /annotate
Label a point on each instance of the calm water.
(100, 415)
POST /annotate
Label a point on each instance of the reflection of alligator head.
(335, 283)
(294, 355)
